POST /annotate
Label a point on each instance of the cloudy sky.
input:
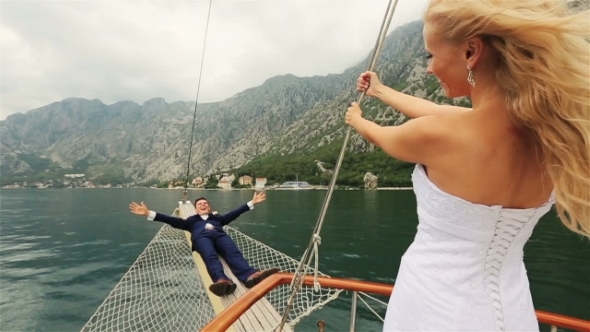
(137, 50)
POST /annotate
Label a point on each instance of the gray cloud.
(132, 50)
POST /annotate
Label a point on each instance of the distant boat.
(294, 185)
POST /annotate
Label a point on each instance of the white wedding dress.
(464, 271)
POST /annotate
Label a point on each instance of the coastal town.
(220, 181)
(223, 181)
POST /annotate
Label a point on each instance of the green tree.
(212, 183)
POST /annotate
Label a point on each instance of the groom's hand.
(139, 209)
(259, 197)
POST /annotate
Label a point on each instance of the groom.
(209, 239)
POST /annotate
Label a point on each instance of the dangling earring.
(470, 77)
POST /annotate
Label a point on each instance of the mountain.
(287, 120)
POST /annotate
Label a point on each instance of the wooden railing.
(227, 317)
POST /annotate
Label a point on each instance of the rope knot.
(316, 285)
(317, 239)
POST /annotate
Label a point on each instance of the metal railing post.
(353, 311)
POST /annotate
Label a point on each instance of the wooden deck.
(262, 316)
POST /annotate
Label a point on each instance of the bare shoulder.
(430, 127)
(423, 140)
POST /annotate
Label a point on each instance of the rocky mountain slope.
(150, 141)
(286, 121)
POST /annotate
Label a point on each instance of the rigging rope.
(190, 149)
(315, 241)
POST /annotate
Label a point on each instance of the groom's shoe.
(257, 277)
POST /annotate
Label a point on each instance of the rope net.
(162, 290)
(263, 257)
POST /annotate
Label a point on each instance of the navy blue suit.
(209, 243)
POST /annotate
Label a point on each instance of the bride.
(486, 175)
